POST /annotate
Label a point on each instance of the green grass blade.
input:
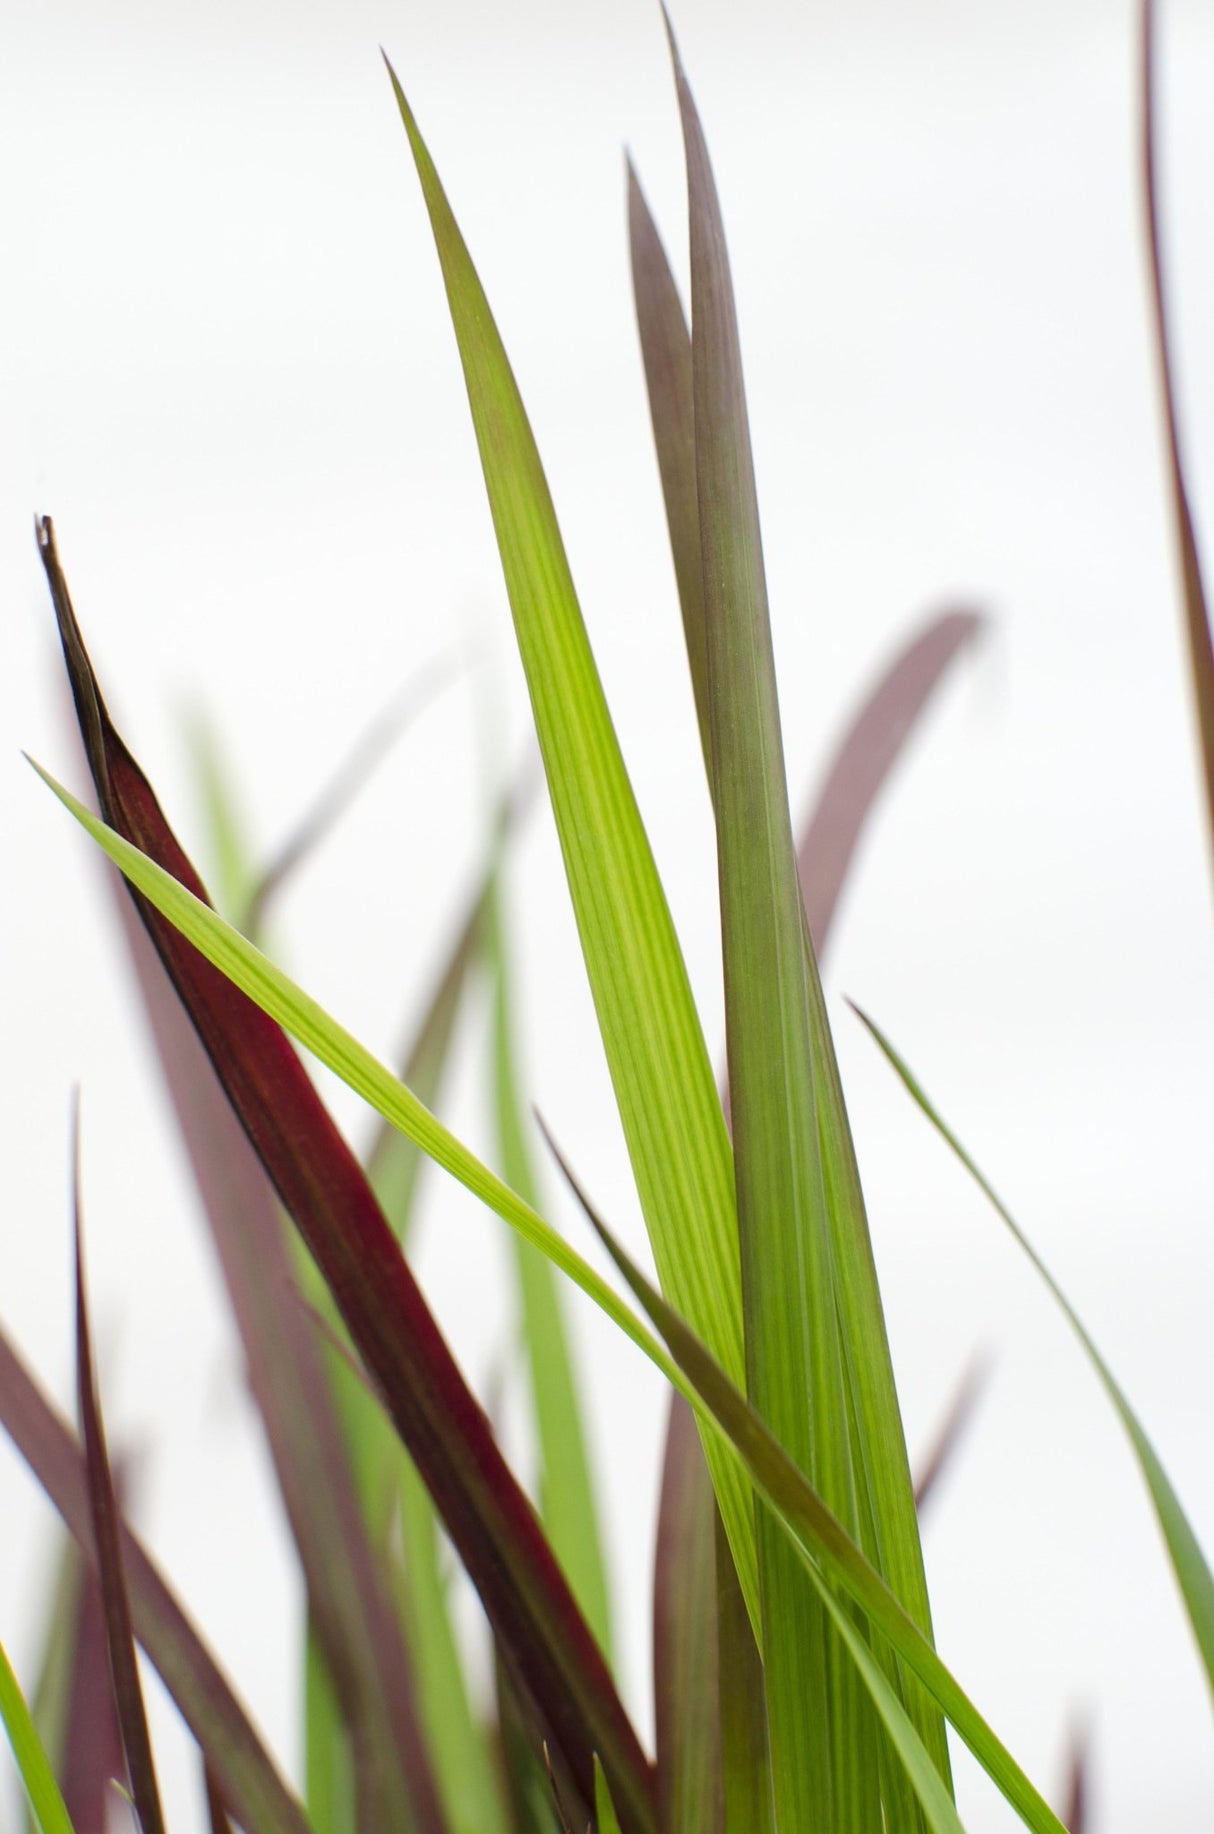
(686, 1688)
(1188, 1562)
(330, 1790)
(604, 1807)
(747, 1793)
(817, 1532)
(33, 1765)
(655, 1048)
(1197, 619)
(566, 1489)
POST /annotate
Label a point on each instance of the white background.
(227, 372)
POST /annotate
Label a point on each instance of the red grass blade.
(685, 1656)
(119, 1636)
(487, 1515)
(866, 755)
(217, 1814)
(248, 1776)
(951, 1430)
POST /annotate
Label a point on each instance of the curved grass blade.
(348, 1603)
(687, 1714)
(1197, 619)
(566, 1489)
(250, 1781)
(864, 759)
(33, 1765)
(824, 1543)
(323, 1188)
(671, 1116)
(119, 1634)
(1188, 1562)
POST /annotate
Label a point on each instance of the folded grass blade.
(566, 1490)
(824, 1543)
(1188, 1562)
(1197, 619)
(325, 1191)
(655, 1049)
(687, 1713)
(33, 1765)
(864, 759)
(348, 1603)
(248, 1776)
(103, 1505)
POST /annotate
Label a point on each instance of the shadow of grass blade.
(823, 1543)
(1188, 1562)
(825, 1736)
(864, 759)
(250, 1780)
(325, 1191)
(687, 1714)
(348, 1603)
(666, 354)
(1197, 620)
(566, 1490)
(651, 1034)
(103, 1506)
(33, 1766)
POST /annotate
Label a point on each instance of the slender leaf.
(1197, 619)
(864, 759)
(685, 1656)
(608, 1820)
(249, 1779)
(746, 1782)
(1188, 1562)
(950, 1431)
(33, 1765)
(103, 1504)
(330, 1787)
(655, 1049)
(324, 1190)
(566, 1489)
(217, 1813)
(1075, 1789)
(825, 1544)
(348, 1604)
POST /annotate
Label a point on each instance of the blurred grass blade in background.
(33, 1766)
(1197, 620)
(103, 1507)
(654, 1045)
(1188, 1562)
(951, 1431)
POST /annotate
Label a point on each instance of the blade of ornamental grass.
(73, 1703)
(250, 1780)
(951, 1430)
(816, 1355)
(1197, 619)
(687, 1714)
(217, 1814)
(604, 1807)
(746, 1781)
(1188, 1562)
(660, 1070)
(566, 1489)
(325, 1191)
(827, 1551)
(330, 1784)
(348, 1602)
(33, 1766)
(107, 1537)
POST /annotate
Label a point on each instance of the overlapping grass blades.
(659, 1064)
(490, 1522)
(1192, 1571)
(686, 1646)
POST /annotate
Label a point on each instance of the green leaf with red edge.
(1189, 1564)
(326, 1193)
(103, 1504)
(33, 1765)
(348, 1600)
(1196, 610)
(687, 1716)
(651, 1033)
(249, 1778)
